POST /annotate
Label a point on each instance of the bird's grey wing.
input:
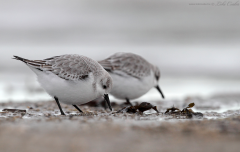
(69, 67)
(128, 63)
(73, 67)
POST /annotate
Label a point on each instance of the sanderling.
(71, 79)
(132, 75)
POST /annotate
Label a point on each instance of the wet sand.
(42, 128)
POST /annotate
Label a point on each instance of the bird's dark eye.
(104, 86)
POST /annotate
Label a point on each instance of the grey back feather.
(132, 64)
(69, 67)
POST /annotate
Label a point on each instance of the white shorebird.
(71, 79)
(132, 75)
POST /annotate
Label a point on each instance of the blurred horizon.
(185, 41)
(195, 40)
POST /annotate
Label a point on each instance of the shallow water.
(24, 87)
(209, 95)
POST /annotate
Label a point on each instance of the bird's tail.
(21, 59)
(106, 64)
(38, 64)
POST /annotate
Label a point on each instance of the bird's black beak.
(157, 87)
(108, 101)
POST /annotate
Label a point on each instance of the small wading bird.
(132, 75)
(71, 79)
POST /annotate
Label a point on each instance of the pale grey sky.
(178, 37)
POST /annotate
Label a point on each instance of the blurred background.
(196, 46)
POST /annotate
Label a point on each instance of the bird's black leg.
(59, 106)
(78, 108)
(128, 102)
(105, 104)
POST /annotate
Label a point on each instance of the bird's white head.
(104, 86)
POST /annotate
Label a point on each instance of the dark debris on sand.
(187, 112)
(144, 106)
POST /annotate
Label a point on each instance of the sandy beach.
(42, 128)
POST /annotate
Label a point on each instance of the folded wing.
(69, 67)
(128, 63)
